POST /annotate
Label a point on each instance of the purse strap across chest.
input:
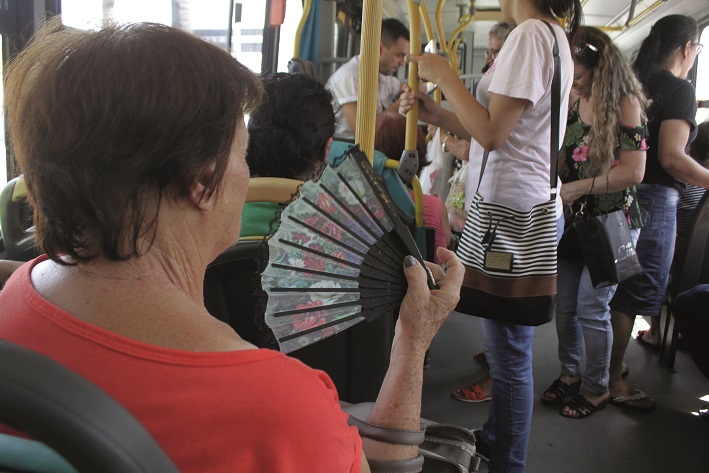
(555, 118)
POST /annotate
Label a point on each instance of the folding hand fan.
(337, 258)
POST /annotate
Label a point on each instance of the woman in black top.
(663, 62)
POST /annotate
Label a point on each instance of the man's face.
(393, 57)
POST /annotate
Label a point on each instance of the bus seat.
(21, 455)
(691, 268)
(262, 193)
(16, 221)
(230, 283)
(69, 414)
(271, 189)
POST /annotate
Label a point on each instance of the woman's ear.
(199, 192)
(327, 148)
(686, 51)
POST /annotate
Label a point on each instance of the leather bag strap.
(362, 410)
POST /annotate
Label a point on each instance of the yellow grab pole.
(439, 25)
(430, 34)
(414, 48)
(426, 18)
(453, 39)
(301, 25)
(368, 76)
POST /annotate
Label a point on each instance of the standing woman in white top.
(511, 118)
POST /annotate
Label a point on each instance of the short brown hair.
(107, 123)
(390, 138)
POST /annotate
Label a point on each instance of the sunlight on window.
(90, 13)
(247, 41)
(286, 45)
(206, 18)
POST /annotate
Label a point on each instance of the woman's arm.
(673, 158)
(488, 126)
(422, 313)
(628, 172)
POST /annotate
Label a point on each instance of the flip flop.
(471, 393)
(643, 342)
(626, 402)
(560, 390)
(583, 407)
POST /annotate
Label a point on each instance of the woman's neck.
(528, 10)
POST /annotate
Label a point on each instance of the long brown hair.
(613, 79)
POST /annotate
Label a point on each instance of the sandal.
(560, 390)
(471, 393)
(583, 407)
(644, 342)
(638, 401)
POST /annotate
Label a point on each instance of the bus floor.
(614, 440)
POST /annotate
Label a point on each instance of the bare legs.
(622, 329)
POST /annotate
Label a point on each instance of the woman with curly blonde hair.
(604, 158)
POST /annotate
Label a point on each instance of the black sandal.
(583, 407)
(560, 390)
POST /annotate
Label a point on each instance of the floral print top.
(576, 156)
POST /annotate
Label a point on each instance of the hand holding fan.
(337, 258)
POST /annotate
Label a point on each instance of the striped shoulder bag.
(510, 255)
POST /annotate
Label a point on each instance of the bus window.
(702, 82)
(208, 19)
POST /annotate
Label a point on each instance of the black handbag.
(509, 255)
(607, 247)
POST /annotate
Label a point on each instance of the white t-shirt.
(344, 84)
(517, 173)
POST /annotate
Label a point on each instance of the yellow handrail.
(301, 25)
(414, 48)
(453, 37)
(426, 19)
(368, 76)
(439, 25)
(430, 34)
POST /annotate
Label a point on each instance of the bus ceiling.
(626, 21)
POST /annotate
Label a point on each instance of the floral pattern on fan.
(337, 257)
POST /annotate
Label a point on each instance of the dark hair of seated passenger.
(106, 124)
(390, 138)
(699, 149)
(289, 131)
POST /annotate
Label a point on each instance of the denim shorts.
(644, 294)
